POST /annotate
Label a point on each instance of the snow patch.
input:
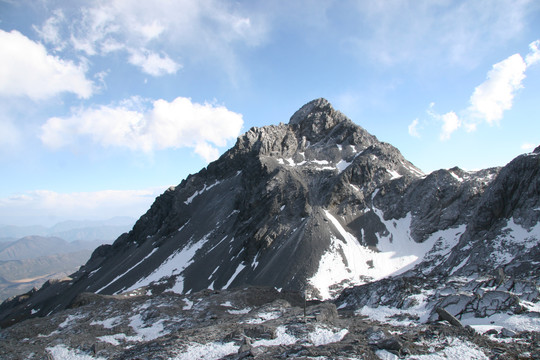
(460, 179)
(240, 311)
(173, 265)
(323, 336)
(61, 352)
(514, 322)
(238, 269)
(394, 174)
(93, 272)
(342, 165)
(69, 319)
(460, 265)
(113, 339)
(453, 349)
(282, 338)
(347, 262)
(398, 317)
(188, 306)
(128, 270)
(255, 261)
(403, 253)
(513, 238)
(211, 351)
(355, 188)
(199, 192)
(320, 336)
(146, 333)
(108, 323)
(182, 227)
(264, 317)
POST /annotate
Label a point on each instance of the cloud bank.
(136, 126)
(495, 95)
(491, 98)
(26, 69)
(44, 206)
(141, 31)
(459, 32)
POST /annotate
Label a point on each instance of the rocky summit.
(315, 212)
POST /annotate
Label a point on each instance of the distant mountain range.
(32, 260)
(31, 247)
(106, 230)
(19, 276)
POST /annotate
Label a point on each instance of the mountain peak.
(318, 114)
(316, 118)
(314, 106)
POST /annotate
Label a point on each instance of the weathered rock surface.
(252, 323)
(322, 207)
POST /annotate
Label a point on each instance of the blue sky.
(107, 103)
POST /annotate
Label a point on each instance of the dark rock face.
(318, 205)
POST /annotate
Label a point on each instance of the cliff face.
(315, 205)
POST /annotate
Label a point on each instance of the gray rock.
(445, 315)
(507, 332)
(270, 208)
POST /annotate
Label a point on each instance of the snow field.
(514, 322)
(173, 265)
(61, 352)
(108, 323)
(199, 192)
(456, 350)
(513, 237)
(209, 351)
(349, 262)
(389, 315)
(215, 350)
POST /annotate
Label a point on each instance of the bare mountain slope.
(318, 205)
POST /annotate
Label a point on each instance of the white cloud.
(93, 28)
(528, 146)
(459, 32)
(50, 31)
(492, 98)
(153, 64)
(413, 129)
(451, 123)
(27, 70)
(206, 151)
(40, 205)
(495, 95)
(533, 56)
(175, 124)
(152, 30)
(143, 30)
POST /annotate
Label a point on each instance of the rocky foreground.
(259, 323)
